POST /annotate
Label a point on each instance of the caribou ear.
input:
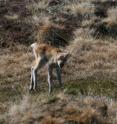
(66, 54)
(61, 56)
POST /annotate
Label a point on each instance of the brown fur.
(47, 55)
(47, 50)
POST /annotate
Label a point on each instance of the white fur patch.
(59, 63)
(33, 45)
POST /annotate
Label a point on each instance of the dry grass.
(86, 110)
(112, 16)
(92, 56)
(89, 59)
(80, 8)
(42, 4)
(90, 74)
(35, 7)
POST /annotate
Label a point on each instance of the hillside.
(85, 28)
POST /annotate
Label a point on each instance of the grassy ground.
(87, 29)
(81, 77)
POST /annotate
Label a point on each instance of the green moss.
(52, 99)
(91, 87)
(2, 121)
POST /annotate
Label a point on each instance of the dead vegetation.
(65, 109)
(91, 70)
(23, 25)
(85, 28)
(112, 17)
